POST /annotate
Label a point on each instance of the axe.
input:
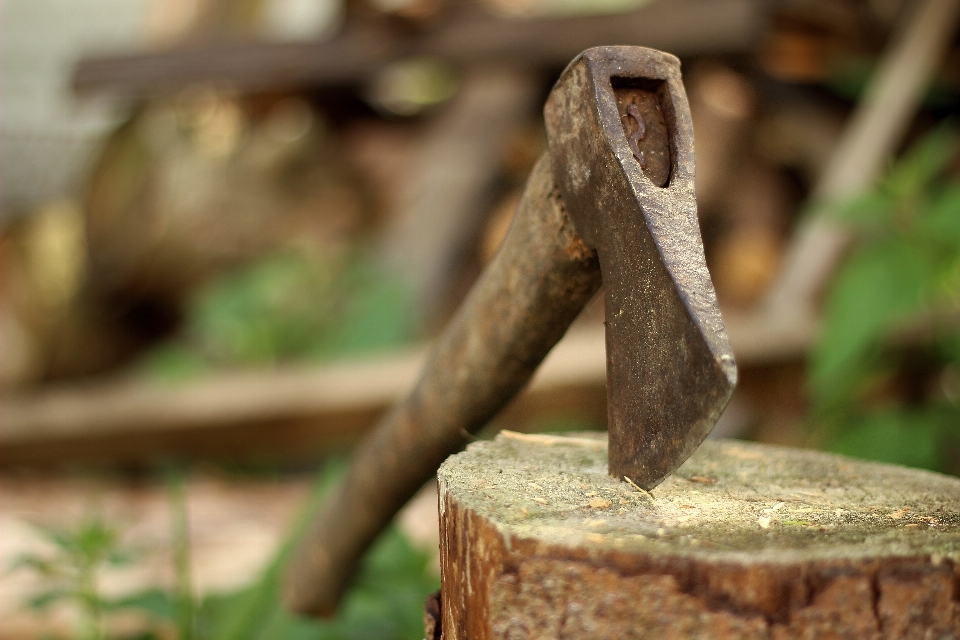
(612, 201)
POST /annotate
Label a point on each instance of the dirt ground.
(235, 526)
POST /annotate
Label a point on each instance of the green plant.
(185, 606)
(73, 568)
(296, 304)
(385, 602)
(884, 374)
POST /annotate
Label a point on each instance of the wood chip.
(540, 438)
(638, 487)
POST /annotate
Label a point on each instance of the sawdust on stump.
(743, 541)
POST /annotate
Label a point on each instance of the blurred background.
(230, 228)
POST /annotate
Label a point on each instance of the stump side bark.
(743, 541)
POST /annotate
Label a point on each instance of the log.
(447, 199)
(684, 27)
(298, 413)
(743, 541)
(291, 412)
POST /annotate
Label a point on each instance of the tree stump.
(743, 541)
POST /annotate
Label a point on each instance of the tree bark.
(743, 541)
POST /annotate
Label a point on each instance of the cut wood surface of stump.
(743, 541)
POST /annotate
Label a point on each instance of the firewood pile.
(243, 143)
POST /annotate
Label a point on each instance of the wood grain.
(744, 541)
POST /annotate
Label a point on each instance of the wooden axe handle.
(524, 301)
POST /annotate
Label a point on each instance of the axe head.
(621, 143)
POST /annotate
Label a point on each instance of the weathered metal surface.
(670, 368)
(539, 281)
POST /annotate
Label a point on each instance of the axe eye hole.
(643, 105)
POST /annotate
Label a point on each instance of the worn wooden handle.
(523, 303)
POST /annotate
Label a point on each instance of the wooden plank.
(296, 412)
(744, 541)
(684, 27)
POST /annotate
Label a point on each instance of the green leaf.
(173, 362)
(910, 437)
(141, 635)
(871, 211)
(43, 566)
(376, 318)
(294, 304)
(942, 220)
(385, 603)
(912, 176)
(121, 557)
(388, 598)
(41, 601)
(242, 615)
(96, 544)
(156, 602)
(949, 346)
(62, 538)
(879, 287)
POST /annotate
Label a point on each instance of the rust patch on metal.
(645, 127)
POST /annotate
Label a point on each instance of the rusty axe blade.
(621, 143)
(621, 153)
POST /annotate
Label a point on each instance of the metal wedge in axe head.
(612, 199)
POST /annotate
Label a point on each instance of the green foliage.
(912, 437)
(848, 77)
(72, 569)
(385, 603)
(903, 273)
(294, 304)
(184, 608)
